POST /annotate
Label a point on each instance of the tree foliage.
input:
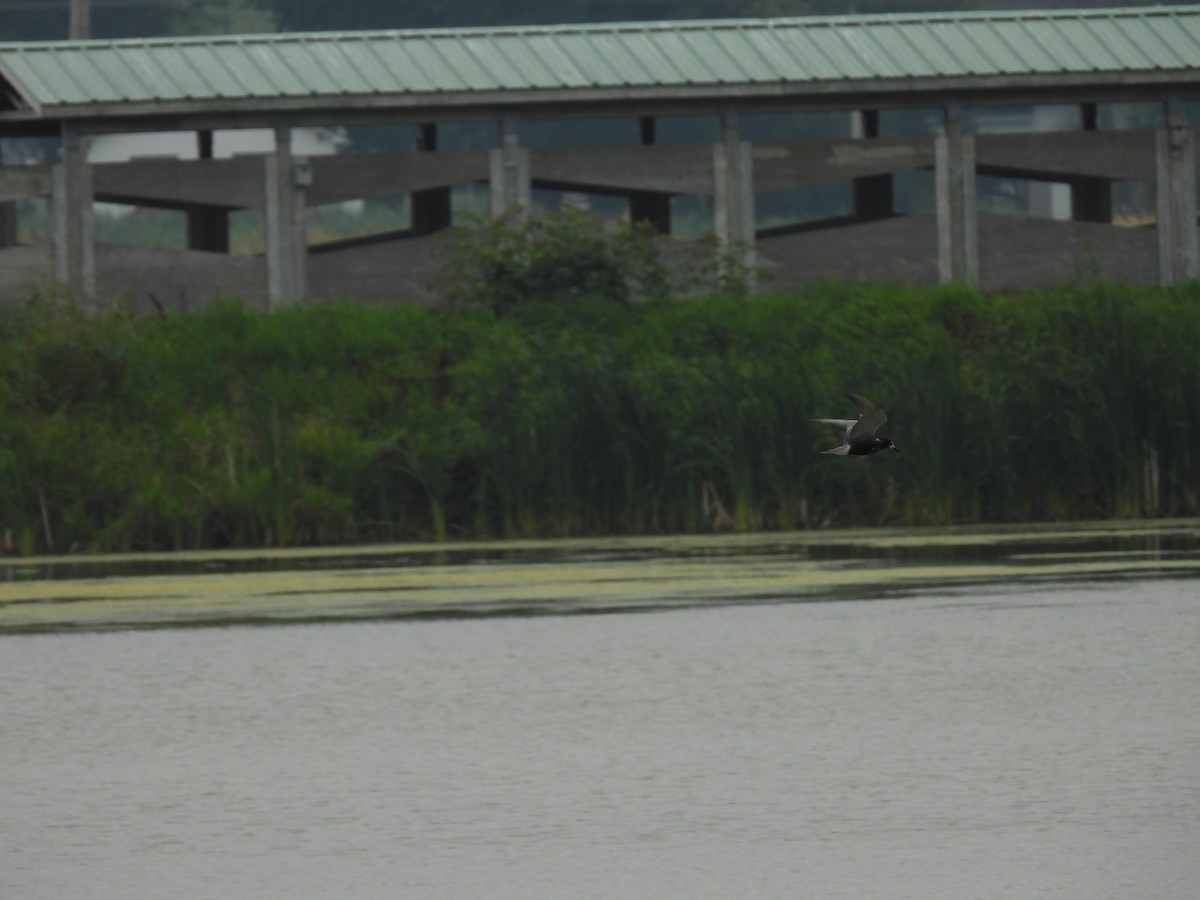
(556, 257)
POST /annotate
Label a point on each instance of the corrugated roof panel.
(812, 62)
(527, 58)
(903, 53)
(957, 49)
(853, 52)
(462, 58)
(770, 52)
(501, 71)
(273, 74)
(649, 66)
(494, 72)
(634, 56)
(123, 83)
(1168, 34)
(1039, 57)
(199, 76)
(661, 66)
(1151, 43)
(70, 76)
(413, 66)
(1024, 54)
(336, 61)
(1188, 27)
(565, 69)
(742, 56)
(834, 46)
(300, 72)
(1116, 35)
(196, 75)
(929, 49)
(26, 79)
(754, 59)
(985, 53)
(144, 68)
(1072, 47)
(906, 54)
(229, 66)
(223, 79)
(694, 53)
(709, 49)
(358, 54)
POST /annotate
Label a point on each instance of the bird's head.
(886, 444)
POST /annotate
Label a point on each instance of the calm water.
(992, 740)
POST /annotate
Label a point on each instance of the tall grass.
(331, 424)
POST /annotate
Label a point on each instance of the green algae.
(548, 577)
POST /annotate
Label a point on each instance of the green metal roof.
(148, 77)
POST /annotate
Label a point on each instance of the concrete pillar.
(1175, 152)
(733, 196)
(957, 220)
(430, 207)
(508, 175)
(287, 243)
(71, 210)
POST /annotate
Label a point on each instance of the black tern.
(860, 436)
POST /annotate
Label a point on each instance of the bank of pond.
(325, 424)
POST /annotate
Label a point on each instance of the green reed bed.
(330, 424)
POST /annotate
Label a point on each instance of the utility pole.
(81, 20)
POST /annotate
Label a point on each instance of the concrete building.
(905, 111)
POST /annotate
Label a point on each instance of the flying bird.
(860, 436)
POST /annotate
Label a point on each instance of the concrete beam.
(784, 164)
(354, 176)
(641, 168)
(177, 183)
(19, 182)
(1112, 155)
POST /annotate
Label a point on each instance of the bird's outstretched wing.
(840, 423)
(870, 418)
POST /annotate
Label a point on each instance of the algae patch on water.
(571, 576)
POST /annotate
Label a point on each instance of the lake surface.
(961, 714)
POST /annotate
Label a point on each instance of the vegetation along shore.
(579, 415)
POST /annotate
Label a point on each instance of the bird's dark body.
(863, 448)
(860, 439)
